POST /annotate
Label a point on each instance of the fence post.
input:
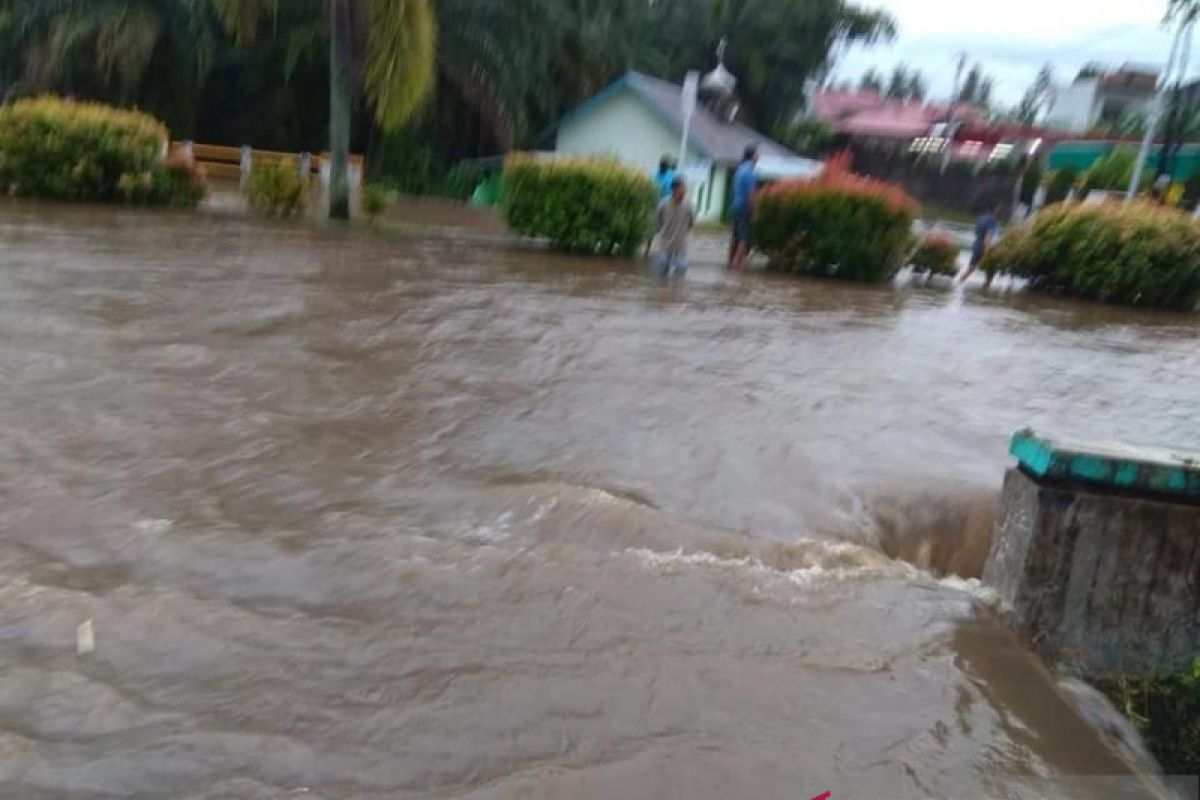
(246, 164)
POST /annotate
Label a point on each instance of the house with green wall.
(639, 119)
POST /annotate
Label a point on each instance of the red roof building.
(866, 116)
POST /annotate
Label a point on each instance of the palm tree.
(385, 46)
(112, 49)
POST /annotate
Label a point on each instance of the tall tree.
(977, 88)
(774, 46)
(154, 52)
(905, 84)
(1037, 97)
(871, 81)
(385, 46)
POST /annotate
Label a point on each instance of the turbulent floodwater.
(371, 517)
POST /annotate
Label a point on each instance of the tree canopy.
(1037, 97)
(977, 88)
(237, 71)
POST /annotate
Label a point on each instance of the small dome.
(720, 81)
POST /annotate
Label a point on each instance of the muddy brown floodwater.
(360, 516)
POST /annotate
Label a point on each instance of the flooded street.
(367, 516)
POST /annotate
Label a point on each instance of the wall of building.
(623, 128)
(1075, 107)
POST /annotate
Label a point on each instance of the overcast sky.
(1014, 38)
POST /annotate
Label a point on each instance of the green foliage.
(1167, 711)
(936, 254)
(175, 184)
(399, 58)
(374, 199)
(592, 207)
(156, 54)
(1032, 178)
(65, 150)
(1059, 183)
(805, 135)
(838, 226)
(1135, 254)
(496, 89)
(406, 162)
(276, 187)
(1112, 173)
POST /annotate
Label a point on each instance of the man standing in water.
(987, 228)
(675, 221)
(663, 179)
(745, 184)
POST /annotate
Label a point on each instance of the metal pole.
(687, 127)
(1155, 113)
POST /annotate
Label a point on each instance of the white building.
(1099, 97)
(639, 119)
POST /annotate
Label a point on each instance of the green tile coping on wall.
(1128, 468)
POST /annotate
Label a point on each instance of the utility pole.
(1172, 135)
(1156, 109)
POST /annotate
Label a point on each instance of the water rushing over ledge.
(400, 516)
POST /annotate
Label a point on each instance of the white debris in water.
(153, 526)
(973, 587)
(805, 576)
(85, 638)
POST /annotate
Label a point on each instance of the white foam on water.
(972, 586)
(817, 573)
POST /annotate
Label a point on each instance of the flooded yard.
(395, 516)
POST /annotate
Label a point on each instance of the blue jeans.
(667, 265)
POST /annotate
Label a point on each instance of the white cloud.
(1013, 39)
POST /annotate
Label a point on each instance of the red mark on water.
(825, 796)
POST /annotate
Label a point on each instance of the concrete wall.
(960, 187)
(1075, 107)
(622, 127)
(1107, 582)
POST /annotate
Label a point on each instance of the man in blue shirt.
(665, 177)
(987, 228)
(745, 184)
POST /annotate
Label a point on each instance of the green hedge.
(276, 187)
(67, 150)
(178, 183)
(588, 206)
(839, 225)
(1135, 254)
(936, 254)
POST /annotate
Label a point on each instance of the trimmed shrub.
(177, 183)
(1135, 254)
(936, 254)
(65, 150)
(374, 199)
(1112, 173)
(838, 225)
(588, 206)
(276, 187)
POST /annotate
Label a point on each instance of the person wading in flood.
(987, 228)
(745, 184)
(663, 180)
(675, 221)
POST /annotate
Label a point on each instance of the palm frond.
(401, 49)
